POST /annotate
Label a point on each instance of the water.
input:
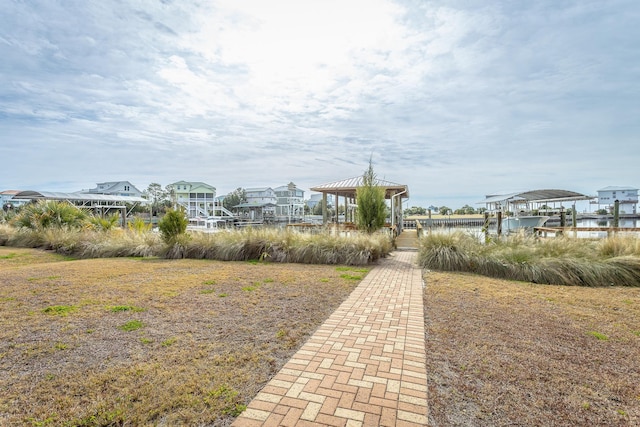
(581, 223)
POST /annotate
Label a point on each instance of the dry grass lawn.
(503, 353)
(150, 341)
(189, 342)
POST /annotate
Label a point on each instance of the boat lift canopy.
(89, 199)
(538, 197)
(99, 202)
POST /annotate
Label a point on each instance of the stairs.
(407, 240)
(223, 211)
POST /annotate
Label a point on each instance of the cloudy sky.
(457, 99)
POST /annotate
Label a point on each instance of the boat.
(522, 222)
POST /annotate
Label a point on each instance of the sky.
(456, 99)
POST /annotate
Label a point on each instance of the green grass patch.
(60, 310)
(226, 397)
(636, 333)
(60, 346)
(10, 255)
(209, 282)
(169, 342)
(351, 276)
(251, 288)
(223, 295)
(131, 325)
(357, 270)
(145, 340)
(37, 279)
(600, 336)
(35, 422)
(207, 291)
(324, 280)
(121, 308)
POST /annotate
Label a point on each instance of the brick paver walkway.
(365, 366)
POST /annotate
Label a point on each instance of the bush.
(371, 205)
(104, 224)
(139, 226)
(50, 214)
(173, 224)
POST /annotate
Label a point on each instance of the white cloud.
(452, 99)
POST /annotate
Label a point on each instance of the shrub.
(371, 205)
(104, 224)
(139, 225)
(172, 224)
(50, 214)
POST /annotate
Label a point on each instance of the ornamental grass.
(614, 261)
(263, 244)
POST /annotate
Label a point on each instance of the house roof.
(616, 188)
(348, 187)
(258, 189)
(112, 184)
(53, 195)
(539, 196)
(195, 184)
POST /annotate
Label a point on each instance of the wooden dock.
(562, 230)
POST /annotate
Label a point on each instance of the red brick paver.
(365, 366)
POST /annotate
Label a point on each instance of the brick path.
(365, 366)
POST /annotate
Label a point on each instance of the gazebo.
(346, 189)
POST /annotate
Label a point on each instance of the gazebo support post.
(324, 208)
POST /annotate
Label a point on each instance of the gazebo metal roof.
(347, 187)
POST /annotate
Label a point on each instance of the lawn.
(138, 341)
(505, 353)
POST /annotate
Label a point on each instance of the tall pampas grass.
(613, 261)
(264, 244)
(276, 245)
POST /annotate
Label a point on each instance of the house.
(197, 198)
(260, 204)
(289, 201)
(626, 196)
(114, 188)
(261, 195)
